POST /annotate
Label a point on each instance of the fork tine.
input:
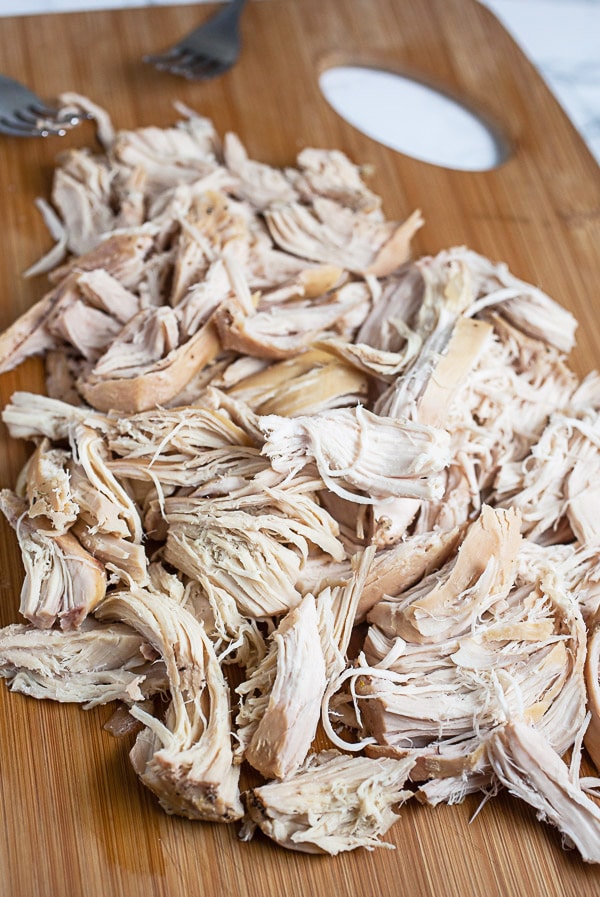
(203, 68)
(162, 59)
(16, 129)
(45, 119)
(174, 59)
(190, 65)
(51, 113)
(208, 50)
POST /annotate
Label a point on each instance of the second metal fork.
(209, 50)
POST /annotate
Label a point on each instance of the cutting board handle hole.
(413, 118)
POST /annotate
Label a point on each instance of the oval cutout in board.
(409, 116)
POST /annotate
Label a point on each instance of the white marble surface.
(562, 37)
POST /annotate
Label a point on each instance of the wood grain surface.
(75, 820)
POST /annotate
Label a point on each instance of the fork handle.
(222, 22)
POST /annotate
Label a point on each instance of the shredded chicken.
(284, 693)
(332, 804)
(63, 582)
(187, 760)
(95, 664)
(524, 763)
(285, 464)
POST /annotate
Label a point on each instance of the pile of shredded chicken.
(270, 435)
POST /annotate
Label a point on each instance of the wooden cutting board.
(75, 820)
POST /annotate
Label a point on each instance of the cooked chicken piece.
(105, 292)
(338, 608)
(91, 454)
(288, 510)
(201, 298)
(556, 484)
(87, 329)
(123, 255)
(330, 173)
(284, 329)
(63, 582)
(281, 701)
(487, 286)
(185, 760)
(524, 762)
(309, 282)
(236, 555)
(335, 235)
(378, 363)
(58, 232)
(81, 193)
(444, 603)
(354, 449)
(96, 664)
(334, 803)
(87, 500)
(396, 569)
(62, 370)
(553, 578)
(30, 416)
(446, 298)
(105, 132)
(498, 413)
(592, 681)
(178, 434)
(452, 789)
(259, 184)
(170, 156)
(441, 718)
(154, 382)
(30, 333)
(120, 556)
(147, 338)
(237, 640)
(394, 253)
(468, 341)
(97, 507)
(306, 384)
(108, 522)
(48, 488)
(527, 307)
(130, 186)
(429, 392)
(521, 654)
(390, 325)
(257, 490)
(188, 446)
(212, 226)
(211, 471)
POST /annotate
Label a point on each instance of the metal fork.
(209, 50)
(23, 114)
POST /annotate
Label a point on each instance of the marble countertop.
(561, 37)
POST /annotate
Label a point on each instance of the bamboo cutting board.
(75, 820)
